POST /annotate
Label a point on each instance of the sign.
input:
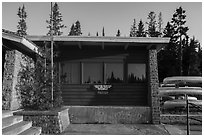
(102, 89)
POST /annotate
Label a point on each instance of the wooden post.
(52, 51)
(187, 115)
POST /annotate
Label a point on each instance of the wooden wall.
(119, 95)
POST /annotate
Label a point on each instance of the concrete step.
(8, 121)
(17, 128)
(32, 131)
(6, 113)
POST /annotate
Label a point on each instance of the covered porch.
(108, 71)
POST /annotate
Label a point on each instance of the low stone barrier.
(109, 115)
(179, 119)
(52, 122)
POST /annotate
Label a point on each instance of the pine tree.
(152, 25)
(141, 31)
(167, 57)
(35, 88)
(191, 60)
(71, 33)
(103, 32)
(96, 33)
(160, 22)
(77, 28)
(178, 22)
(200, 59)
(56, 19)
(133, 29)
(22, 27)
(118, 33)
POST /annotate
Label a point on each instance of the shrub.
(35, 85)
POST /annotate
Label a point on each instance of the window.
(136, 73)
(92, 73)
(100, 73)
(70, 73)
(114, 72)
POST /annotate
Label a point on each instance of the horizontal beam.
(101, 39)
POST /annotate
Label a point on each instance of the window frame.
(136, 63)
(82, 71)
(125, 70)
(123, 67)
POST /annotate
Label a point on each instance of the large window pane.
(70, 73)
(92, 73)
(114, 72)
(136, 73)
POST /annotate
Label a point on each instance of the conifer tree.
(152, 25)
(75, 29)
(22, 27)
(167, 57)
(103, 32)
(141, 31)
(133, 29)
(118, 33)
(56, 19)
(160, 22)
(71, 33)
(96, 33)
(191, 60)
(180, 33)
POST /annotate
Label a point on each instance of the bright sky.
(93, 16)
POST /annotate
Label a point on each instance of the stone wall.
(52, 122)
(153, 83)
(12, 66)
(7, 80)
(109, 115)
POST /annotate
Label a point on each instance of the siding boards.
(119, 95)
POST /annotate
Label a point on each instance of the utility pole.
(51, 34)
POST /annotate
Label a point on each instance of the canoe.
(166, 91)
(182, 79)
(179, 103)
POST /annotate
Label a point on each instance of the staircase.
(14, 125)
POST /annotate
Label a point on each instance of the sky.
(94, 16)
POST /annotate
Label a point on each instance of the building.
(94, 71)
(109, 71)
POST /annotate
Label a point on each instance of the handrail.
(187, 113)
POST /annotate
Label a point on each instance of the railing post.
(187, 115)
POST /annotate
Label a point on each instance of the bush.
(35, 85)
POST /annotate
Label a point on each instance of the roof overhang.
(12, 41)
(147, 42)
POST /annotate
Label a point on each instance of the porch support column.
(10, 77)
(153, 85)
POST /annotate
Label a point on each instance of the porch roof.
(11, 40)
(148, 42)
